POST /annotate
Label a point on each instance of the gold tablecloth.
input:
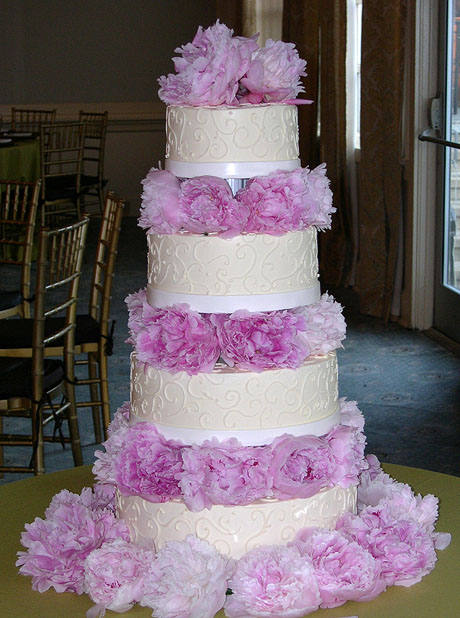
(21, 161)
(436, 596)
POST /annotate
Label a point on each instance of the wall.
(97, 55)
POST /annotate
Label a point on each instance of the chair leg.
(103, 374)
(72, 420)
(94, 392)
(101, 198)
(1, 447)
(37, 439)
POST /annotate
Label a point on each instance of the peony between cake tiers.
(235, 477)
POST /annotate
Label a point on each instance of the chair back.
(31, 119)
(94, 147)
(61, 154)
(104, 265)
(60, 256)
(18, 212)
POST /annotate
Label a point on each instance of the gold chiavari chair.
(61, 155)
(31, 119)
(18, 212)
(92, 177)
(28, 380)
(94, 333)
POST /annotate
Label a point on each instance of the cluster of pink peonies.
(274, 204)
(58, 545)
(80, 547)
(217, 68)
(141, 462)
(179, 339)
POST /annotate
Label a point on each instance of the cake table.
(436, 596)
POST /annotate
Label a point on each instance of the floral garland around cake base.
(81, 547)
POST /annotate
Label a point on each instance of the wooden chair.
(31, 119)
(61, 155)
(18, 212)
(94, 334)
(92, 178)
(28, 380)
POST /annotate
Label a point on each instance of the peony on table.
(436, 595)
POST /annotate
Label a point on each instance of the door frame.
(425, 165)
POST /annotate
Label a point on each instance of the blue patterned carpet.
(407, 386)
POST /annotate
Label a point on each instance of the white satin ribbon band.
(230, 169)
(251, 437)
(228, 304)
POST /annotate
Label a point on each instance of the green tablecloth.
(436, 596)
(21, 161)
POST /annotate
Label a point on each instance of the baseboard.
(443, 340)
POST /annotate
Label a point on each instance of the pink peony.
(114, 575)
(135, 303)
(318, 200)
(273, 581)
(209, 70)
(104, 466)
(177, 339)
(147, 464)
(224, 473)
(348, 458)
(160, 203)
(403, 548)
(188, 579)
(345, 571)
(301, 466)
(258, 341)
(103, 497)
(274, 73)
(276, 202)
(120, 418)
(207, 205)
(350, 415)
(325, 325)
(58, 545)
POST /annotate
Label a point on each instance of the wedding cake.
(239, 474)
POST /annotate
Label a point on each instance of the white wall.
(97, 55)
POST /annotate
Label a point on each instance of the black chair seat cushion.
(91, 181)
(18, 333)
(16, 376)
(61, 187)
(9, 300)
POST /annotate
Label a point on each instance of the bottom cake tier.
(233, 530)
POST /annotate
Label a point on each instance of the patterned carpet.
(407, 386)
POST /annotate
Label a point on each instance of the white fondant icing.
(234, 530)
(226, 137)
(253, 407)
(250, 437)
(228, 304)
(246, 169)
(247, 265)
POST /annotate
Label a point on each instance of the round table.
(21, 160)
(436, 596)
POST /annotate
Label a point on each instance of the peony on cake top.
(217, 68)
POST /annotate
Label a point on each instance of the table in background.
(20, 161)
(436, 596)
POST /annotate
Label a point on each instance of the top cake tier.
(231, 142)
